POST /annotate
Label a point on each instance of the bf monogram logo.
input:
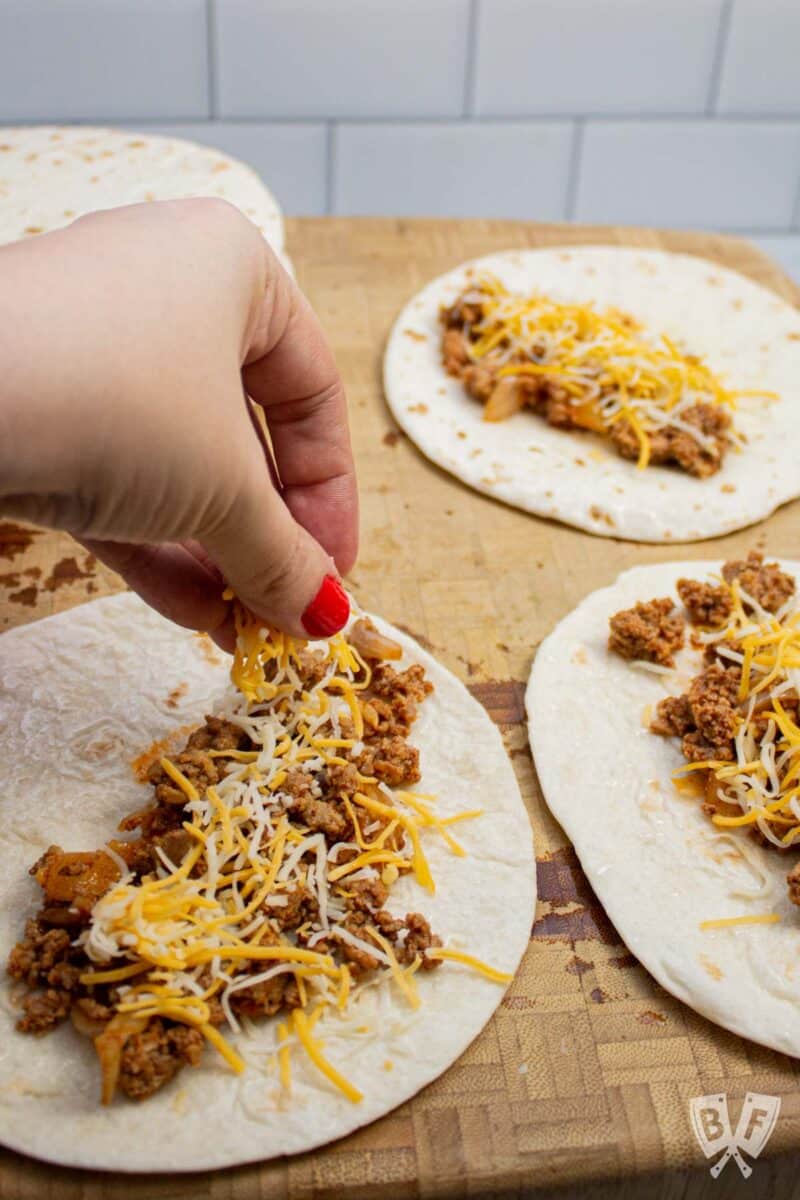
(712, 1128)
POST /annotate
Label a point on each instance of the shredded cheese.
(200, 932)
(468, 960)
(750, 919)
(609, 367)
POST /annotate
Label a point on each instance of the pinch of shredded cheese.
(611, 368)
(193, 930)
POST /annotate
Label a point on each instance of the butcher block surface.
(586, 1071)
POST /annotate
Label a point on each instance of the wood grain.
(586, 1071)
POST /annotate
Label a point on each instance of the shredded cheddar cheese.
(200, 931)
(610, 368)
(752, 919)
(763, 781)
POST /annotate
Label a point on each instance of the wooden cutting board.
(586, 1071)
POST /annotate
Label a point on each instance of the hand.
(129, 343)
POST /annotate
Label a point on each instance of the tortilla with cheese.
(658, 357)
(702, 903)
(68, 736)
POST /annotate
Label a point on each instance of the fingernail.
(328, 611)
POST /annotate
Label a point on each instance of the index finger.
(291, 373)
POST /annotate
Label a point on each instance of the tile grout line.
(470, 68)
(330, 165)
(211, 60)
(718, 60)
(573, 173)
(794, 221)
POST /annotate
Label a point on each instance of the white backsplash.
(667, 112)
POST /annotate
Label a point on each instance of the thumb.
(275, 567)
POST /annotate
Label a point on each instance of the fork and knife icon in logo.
(712, 1128)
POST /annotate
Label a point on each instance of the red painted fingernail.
(328, 611)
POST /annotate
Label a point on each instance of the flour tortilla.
(81, 694)
(746, 334)
(657, 864)
(49, 175)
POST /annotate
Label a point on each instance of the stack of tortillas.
(49, 175)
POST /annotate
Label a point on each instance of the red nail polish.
(328, 611)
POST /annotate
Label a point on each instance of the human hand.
(129, 342)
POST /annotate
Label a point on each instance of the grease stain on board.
(562, 885)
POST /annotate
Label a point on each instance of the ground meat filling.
(707, 717)
(706, 604)
(793, 881)
(650, 631)
(47, 964)
(676, 446)
(151, 1058)
(505, 395)
(768, 585)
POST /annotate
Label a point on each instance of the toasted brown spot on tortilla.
(793, 337)
(416, 335)
(579, 462)
(136, 144)
(176, 695)
(600, 514)
(580, 656)
(208, 649)
(711, 968)
(26, 596)
(418, 408)
(460, 433)
(67, 571)
(220, 166)
(34, 229)
(737, 304)
(15, 539)
(728, 487)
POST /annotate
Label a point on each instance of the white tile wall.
(490, 170)
(727, 175)
(761, 68)
(291, 157)
(341, 58)
(675, 112)
(75, 60)
(585, 56)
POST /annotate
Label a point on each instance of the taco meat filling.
(739, 720)
(585, 370)
(255, 884)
